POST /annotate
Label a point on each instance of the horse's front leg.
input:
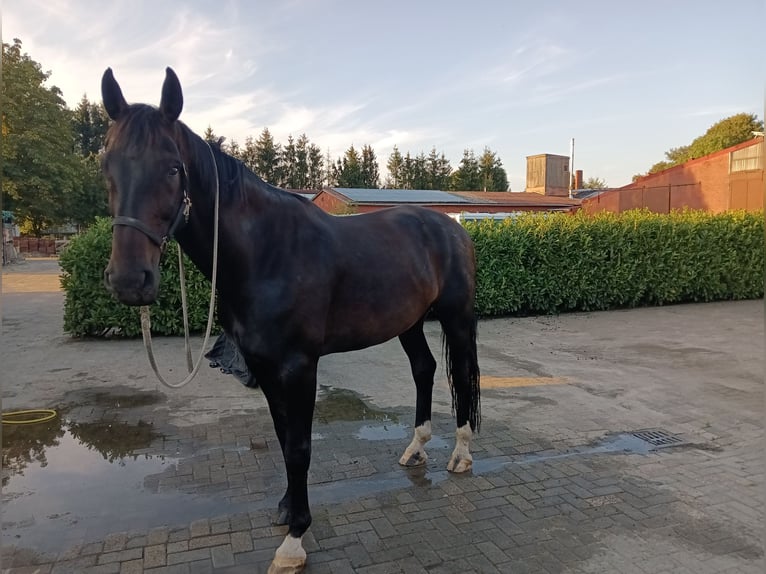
(291, 401)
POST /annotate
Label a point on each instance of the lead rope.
(146, 324)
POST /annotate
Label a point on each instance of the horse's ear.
(114, 102)
(172, 98)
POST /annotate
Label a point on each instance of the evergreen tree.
(330, 171)
(288, 160)
(467, 177)
(266, 159)
(394, 167)
(301, 163)
(209, 135)
(249, 154)
(369, 169)
(88, 200)
(232, 148)
(438, 171)
(414, 172)
(316, 171)
(348, 171)
(89, 122)
(492, 174)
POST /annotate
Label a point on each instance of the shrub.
(556, 262)
(90, 310)
(534, 264)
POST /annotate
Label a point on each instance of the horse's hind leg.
(423, 368)
(463, 375)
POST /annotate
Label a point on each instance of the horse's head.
(146, 179)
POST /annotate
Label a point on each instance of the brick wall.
(35, 246)
(703, 183)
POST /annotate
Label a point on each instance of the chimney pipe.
(578, 179)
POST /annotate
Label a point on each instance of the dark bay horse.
(294, 283)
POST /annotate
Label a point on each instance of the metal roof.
(357, 195)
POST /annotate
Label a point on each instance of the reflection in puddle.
(57, 483)
(65, 482)
(395, 431)
(335, 405)
(116, 441)
(383, 432)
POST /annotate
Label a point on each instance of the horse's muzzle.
(136, 287)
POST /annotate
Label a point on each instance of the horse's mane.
(236, 180)
(143, 125)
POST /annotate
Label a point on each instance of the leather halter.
(182, 217)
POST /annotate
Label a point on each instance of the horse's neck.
(204, 184)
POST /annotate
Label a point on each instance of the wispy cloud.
(715, 111)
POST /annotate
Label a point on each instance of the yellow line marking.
(488, 382)
(31, 283)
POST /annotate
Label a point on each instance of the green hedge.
(90, 310)
(534, 264)
(539, 264)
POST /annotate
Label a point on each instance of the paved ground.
(130, 477)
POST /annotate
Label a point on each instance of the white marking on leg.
(289, 558)
(461, 459)
(415, 454)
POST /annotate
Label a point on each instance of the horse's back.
(391, 267)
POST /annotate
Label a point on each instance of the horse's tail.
(463, 373)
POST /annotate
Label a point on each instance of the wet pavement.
(626, 441)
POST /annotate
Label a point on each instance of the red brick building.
(725, 180)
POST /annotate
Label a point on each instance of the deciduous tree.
(725, 133)
(40, 169)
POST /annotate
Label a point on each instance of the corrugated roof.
(515, 198)
(420, 196)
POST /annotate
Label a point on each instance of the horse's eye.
(173, 171)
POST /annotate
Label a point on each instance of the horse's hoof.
(414, 459)
(286, 565)
(460, 464)
(289, 558)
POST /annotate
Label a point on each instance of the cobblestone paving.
(559, 484)
(536, 506)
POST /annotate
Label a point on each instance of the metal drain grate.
(658, 438)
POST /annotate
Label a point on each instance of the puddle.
(125, 401)
(334, 405)
(65, 482)
(396, 431)
(383, 432)
(343, 490)
(71, 482)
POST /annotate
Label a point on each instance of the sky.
(627, 80)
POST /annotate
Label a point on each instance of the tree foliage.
(369, 168)
(438, 170)
(467, 176)
(39, 168)
(724, 133)
(594, 183)
(89, 122)
(89, 200)
(266, 157)
(492, 173)
(419, 172)
(485, 173)
(348, 170)
(394, 165)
